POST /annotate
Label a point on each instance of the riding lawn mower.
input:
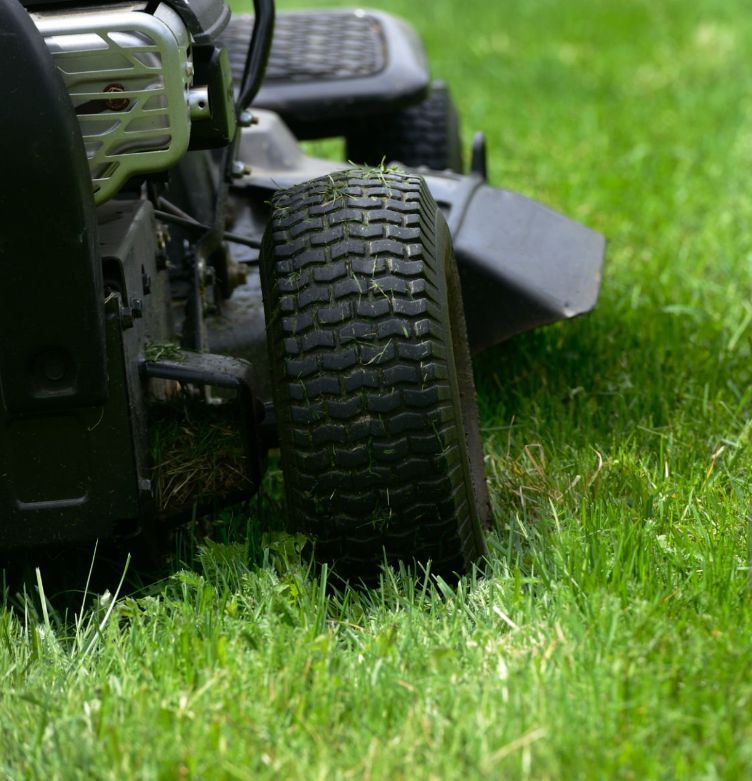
(185, 290)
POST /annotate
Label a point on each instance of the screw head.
(116, 104)
(55, 366)
(240, 169)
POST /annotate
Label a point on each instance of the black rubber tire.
(425, 134)
(371, 373)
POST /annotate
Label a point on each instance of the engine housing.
(129, 76)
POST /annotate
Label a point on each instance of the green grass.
(611, 637)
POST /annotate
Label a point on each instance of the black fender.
(52, 333)
(522, 265)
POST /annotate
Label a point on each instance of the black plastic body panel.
(72, 477)
(522, 265)
(52, 335)
(315, 103)
(82, 474)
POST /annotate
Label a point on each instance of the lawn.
(610, 636)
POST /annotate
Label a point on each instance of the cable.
(186, 221)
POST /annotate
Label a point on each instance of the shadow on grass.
(73, 575)
(628, 414)
(599, 378)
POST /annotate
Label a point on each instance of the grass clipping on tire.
(197, 454)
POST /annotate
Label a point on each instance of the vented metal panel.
(128, 76)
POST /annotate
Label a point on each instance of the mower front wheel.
(372, 379)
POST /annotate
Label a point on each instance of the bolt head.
(240, 169)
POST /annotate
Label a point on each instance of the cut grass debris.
(197, 454)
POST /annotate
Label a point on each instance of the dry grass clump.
(197, 454)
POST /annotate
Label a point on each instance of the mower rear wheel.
(425, 134)
(371, 373)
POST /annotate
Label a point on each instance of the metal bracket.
(218, 371)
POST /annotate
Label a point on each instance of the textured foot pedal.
(327, 68)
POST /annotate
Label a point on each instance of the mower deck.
(521, 264)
